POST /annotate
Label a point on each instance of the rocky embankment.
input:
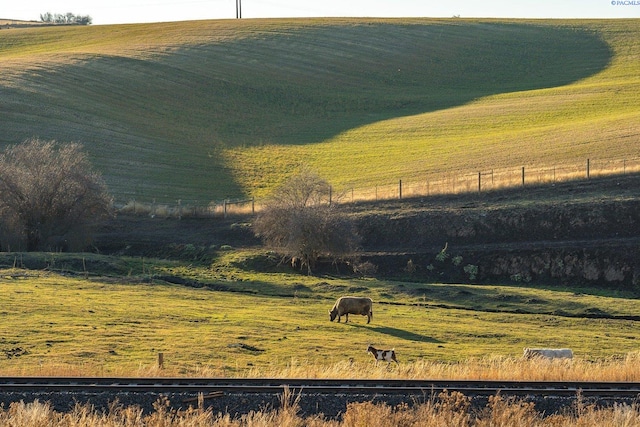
(570, 235)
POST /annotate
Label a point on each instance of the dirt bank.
(573, 233)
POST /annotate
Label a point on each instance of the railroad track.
(219, 386)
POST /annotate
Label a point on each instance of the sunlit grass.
(537, 128)
(279, 323)
(541, 129)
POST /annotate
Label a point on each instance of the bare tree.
(50, 197)
(300, 223)
(46, 17)
(303, 189)
(66, 18)
(84, 20)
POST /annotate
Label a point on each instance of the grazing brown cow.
(386, 355)
(352, 305)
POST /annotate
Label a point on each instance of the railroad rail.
(372, 387)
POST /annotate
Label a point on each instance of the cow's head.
(333, 314)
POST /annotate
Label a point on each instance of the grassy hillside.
(205, 110)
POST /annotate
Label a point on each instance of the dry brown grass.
(489, 368)
(10, 23)
(493, 368)
(446, 409)
(180, 210)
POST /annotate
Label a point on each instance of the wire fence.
(433, 184)
(493, 179)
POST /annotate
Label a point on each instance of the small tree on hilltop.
(66, 18)
(301, 224)
(49, 196)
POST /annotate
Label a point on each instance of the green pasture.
(236, 318)
(200, 111)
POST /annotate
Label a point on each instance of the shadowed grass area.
(209, 109)
(401, 334)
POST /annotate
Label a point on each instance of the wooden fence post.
(523, 176)
(160, 360)
(479, 182)
(588, 169)
(400, 190)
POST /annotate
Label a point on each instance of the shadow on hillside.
(313, 83)
(399, 333)
(288, 83)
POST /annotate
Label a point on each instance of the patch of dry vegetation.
(493, 368)
(446, 409)
(611, 369)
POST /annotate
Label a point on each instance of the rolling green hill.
(204, 110)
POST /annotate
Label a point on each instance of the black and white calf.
(386, 355)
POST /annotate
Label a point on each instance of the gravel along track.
(329, 397)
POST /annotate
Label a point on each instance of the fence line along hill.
(206, 110)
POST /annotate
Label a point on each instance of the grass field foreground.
(279, 325)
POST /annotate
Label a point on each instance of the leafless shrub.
(300, 224)
(366, 268)
(50, 198)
